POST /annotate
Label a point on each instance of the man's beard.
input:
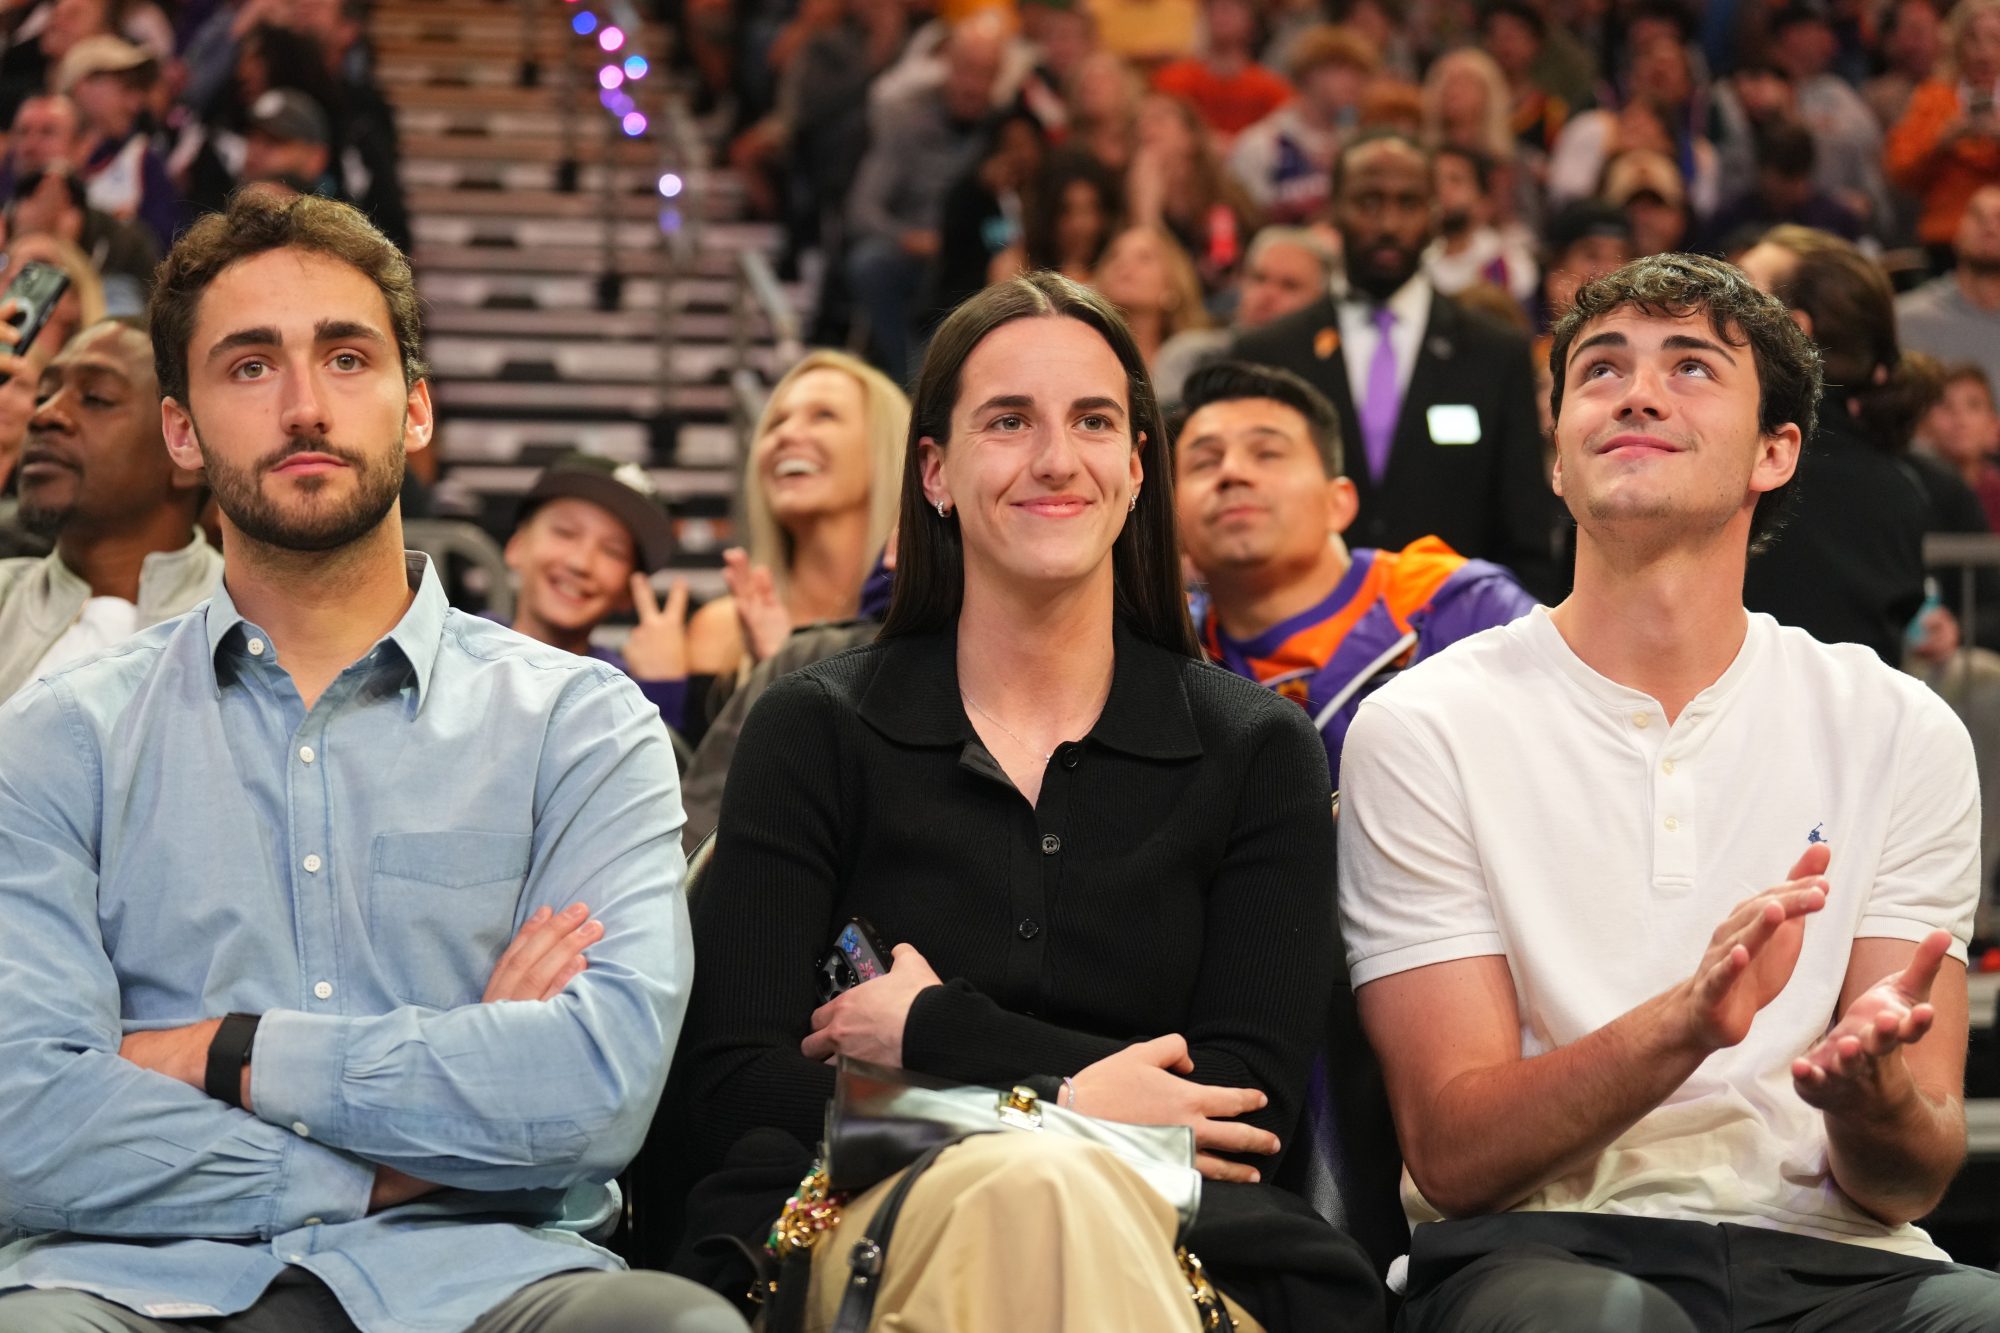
(45, 523)
(320, 527)
(43, 520)
(1455, 221)
(1380, 283)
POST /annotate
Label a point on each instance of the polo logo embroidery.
(1816, 835)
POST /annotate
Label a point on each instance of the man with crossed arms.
(1651, 1089)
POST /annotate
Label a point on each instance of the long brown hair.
(930, 557)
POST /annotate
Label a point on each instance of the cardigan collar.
(913, 697)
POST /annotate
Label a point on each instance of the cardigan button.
(1027, 930)
(1051, 844)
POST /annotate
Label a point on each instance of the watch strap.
(228, 1052)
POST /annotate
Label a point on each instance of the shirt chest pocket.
(441, 907)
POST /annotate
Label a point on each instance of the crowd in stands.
(126, 119)
(1237, 421)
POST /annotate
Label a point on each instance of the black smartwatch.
(227, 1054)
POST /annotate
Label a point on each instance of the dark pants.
(298, 1302)
(885, 280)
(1591, 1273)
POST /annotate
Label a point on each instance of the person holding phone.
(1094, 858)
(1947, 144)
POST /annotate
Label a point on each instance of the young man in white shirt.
(1681, 1086)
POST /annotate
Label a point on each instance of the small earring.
(1133, 508)
(944, 510)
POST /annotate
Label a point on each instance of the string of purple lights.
(617, 72)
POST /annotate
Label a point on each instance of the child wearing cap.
(588, 534)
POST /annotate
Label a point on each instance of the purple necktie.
(1382, 402)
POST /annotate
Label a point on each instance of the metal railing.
(759, 295)
(1971, 552)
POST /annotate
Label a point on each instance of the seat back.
(467, 560)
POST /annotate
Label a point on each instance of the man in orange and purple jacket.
(1261, 500)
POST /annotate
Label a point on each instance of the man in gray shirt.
(1957, 317)
(920, 142)
(1849, 161)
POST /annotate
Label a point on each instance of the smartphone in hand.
(34, 291)
(857, 955)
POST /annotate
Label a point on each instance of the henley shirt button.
(1027, 930)
(256, 647)
(305, 754)
(295, 1258)
(323, 990)
(1051, 844)
(1667, 767)
(1641, 721)
(299, 1128)
(1072, 755)
(311, 863)
(1673, 825)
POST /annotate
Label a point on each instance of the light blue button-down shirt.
(180, 838)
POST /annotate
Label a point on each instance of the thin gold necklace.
(1003, 726)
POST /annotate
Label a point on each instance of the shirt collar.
(417, 635)
(913, 698)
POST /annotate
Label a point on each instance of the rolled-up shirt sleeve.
(91, 1143)
(534, 1094)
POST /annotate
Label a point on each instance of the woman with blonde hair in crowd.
(818, 500)
(1103, 107)
(1467, 105)
(1152, 281)
(1178, 182)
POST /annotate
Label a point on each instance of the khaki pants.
(1018, 1231)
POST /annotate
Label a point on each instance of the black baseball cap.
(1583, 219)
(1800, 11)
(624, 489)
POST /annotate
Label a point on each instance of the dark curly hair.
(1675, 286)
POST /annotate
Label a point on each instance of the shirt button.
(1667, 767)
(1673, 825)
(299, 1128)
(323, 990)
(311, 863)
(1051, 844)
(256, 647)
(1072, 755)
(1027, 930)
(1642, 720)
(314, 1222)
(305, 754)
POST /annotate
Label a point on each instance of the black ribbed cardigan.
(1177, 875)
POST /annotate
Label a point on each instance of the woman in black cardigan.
(1099, 858)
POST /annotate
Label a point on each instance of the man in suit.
(1440, 399)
